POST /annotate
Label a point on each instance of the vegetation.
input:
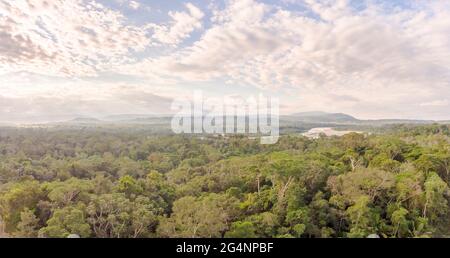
(116, 183)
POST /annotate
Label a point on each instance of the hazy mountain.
(298, 122)
(397, 121)
(323, 117)
(129, 117)
(341, 118)
(84, 120)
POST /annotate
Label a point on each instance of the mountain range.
(297, 120)
(341, 118)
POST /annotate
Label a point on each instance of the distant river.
(328, 131)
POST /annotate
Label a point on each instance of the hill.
(323, 117)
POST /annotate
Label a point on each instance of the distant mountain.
(128, 117)
(397, 121)
(6, 124)
(298, 121)
(85, 120)
(323, 117)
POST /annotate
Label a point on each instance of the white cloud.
(374, 61)
(134, 5)
(435, 103)
(384, 58)
(182, 24)
(64, 37)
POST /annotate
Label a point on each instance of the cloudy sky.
(371, 59)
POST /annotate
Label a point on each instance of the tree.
(129, 186)
(241, 229)
(385, 162)
(143, 218)
(114, 215)
(206, 216)
(400, 222)
(266, 224)
(28, 225)
(436, 204)
(354, 141)
(161, 192)
(68, 192)
(300, 221)
(409, 187)
(15, 198)
(363, 220)
(66, 221)
(373, 183)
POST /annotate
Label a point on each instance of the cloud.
(65, 37)
(17, 48)
(134, 5)
(375, 54)
(182, 24)
(354, 46)
(435, 103)
(369, 58)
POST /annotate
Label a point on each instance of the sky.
(372, 59)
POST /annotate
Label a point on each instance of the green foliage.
(129, 186)
(207, 216)
(241, 229)
(436, 204)
(400, 222)
(114, 215)
(131, 183)
(28, 225)
(66, 221)
(16, 198)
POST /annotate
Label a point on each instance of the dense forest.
(116, 183)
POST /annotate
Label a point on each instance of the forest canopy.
(97, 183)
